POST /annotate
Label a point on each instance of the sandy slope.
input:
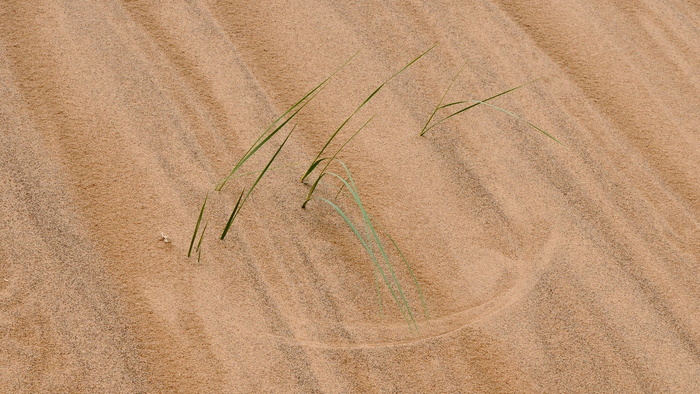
(546, 267)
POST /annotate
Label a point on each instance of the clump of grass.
(375, 248)
(474, 103)
(363, 227)
(277, 125)
(372, 241)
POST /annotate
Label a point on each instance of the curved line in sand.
(488, 307)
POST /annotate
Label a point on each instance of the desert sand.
(545, 267)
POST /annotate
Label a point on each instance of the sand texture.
(546, 267)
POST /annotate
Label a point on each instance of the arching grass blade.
(302, 102)
(476, 103)
(505, 111)
(330, 160)
(320, 153)
(240, 203)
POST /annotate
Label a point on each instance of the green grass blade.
(368, 249)
(353, 190)
(412, 61)
(478, 102)
(303, 101)
(340, 190)
(368, 222)
(413, 276)
(442, 99)
(335, 133)
(455, 103)
(233, 214)
(196, 227)
(505, 111)
(264, 137)
(390, 266)
(262, 173)
(311, 93)
(320, 153)
(312, 167)
(199, 244)
(258, 146)
(330, 160)
(391, 281)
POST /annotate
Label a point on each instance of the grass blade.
(330, 160)
(403, 303)
(311, 167)
(413, 276)
(353, 190)
(199, 244)
(305, 100)
(370, 239)
(477, 102)
(368, 249)
(233, 214)
(255, 148)
(379, 243)
(196, 227)
(238, 207)
(442, 99)
(505, 111)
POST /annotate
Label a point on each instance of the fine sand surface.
(545, 267)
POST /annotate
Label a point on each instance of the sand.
(546, 267)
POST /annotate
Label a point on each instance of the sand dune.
(546, 267)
